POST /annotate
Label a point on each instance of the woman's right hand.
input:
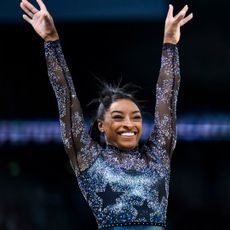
(41, 20)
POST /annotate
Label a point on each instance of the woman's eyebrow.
(117, 111)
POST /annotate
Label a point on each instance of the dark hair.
(109, 94)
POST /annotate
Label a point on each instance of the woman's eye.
(137, 118)
(117, 117)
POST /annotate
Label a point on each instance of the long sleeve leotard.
(123, 188)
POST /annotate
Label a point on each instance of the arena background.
(112, 39)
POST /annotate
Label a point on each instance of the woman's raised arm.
(163, 136)
(81, 149)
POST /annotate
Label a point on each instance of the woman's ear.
(100, 126)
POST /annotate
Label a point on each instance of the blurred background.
(111, 39)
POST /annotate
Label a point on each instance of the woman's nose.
(127, 122)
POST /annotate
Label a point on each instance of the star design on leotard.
(143, 211)
(159, 187)
(108, 196)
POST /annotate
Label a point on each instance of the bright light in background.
(205, 128)
(91, 10)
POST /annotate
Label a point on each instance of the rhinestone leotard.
(123, 188)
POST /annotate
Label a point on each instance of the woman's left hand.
(173, 24)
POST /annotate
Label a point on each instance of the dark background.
(37, 187)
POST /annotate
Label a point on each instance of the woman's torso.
(129, 191)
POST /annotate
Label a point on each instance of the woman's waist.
(140, 227)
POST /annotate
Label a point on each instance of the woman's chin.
(127, 146)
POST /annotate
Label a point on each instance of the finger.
(170, 11)
(181, 14)
(29, 6)
(42, 5)
(25, 17)
(26, 10)
(185, 20)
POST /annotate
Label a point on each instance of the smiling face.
(122, 124)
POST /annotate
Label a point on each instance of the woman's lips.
(128, 134)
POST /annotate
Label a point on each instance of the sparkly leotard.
(123, 188)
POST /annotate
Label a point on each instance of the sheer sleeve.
(81, 149)
(163, 136)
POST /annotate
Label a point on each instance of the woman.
(126, 187)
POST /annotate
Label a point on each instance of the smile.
(127, 134)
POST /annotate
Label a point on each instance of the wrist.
(51, 38)
(170, 38)
(51, 35)
(169, 42)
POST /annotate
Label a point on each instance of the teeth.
(127, 134)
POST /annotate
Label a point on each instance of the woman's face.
(122, 124)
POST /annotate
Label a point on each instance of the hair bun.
(109, 93)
